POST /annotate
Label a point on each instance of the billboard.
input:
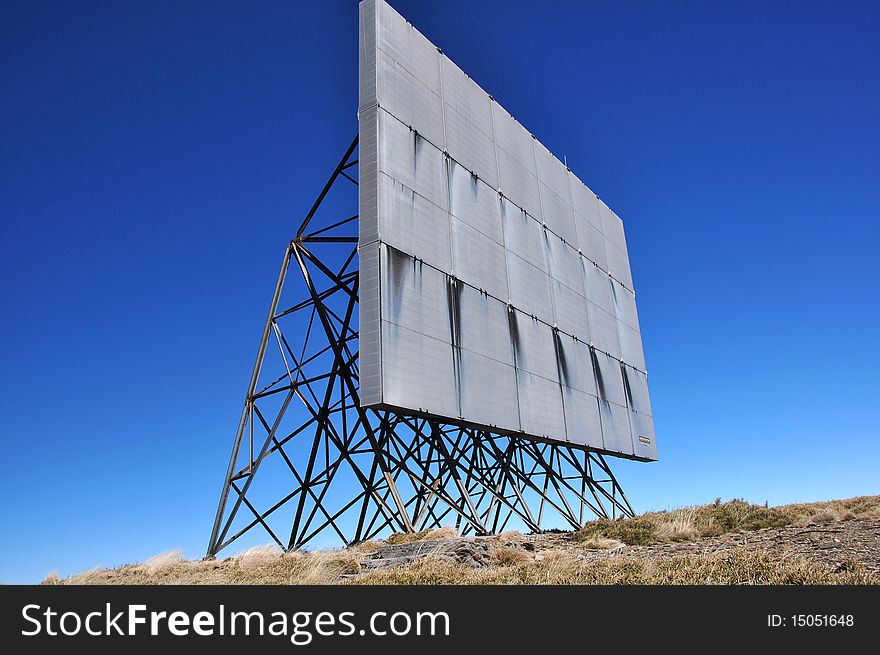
(495, 287)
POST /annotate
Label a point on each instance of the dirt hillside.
(833, 542)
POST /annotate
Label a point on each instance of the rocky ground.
(839, 544)
(733, 542)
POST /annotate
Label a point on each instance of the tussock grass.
(510, 557)
(52, 578)
(445, 532)
(259, 555)
(719, 518)
(565, 559)
(322, 567)
(861, 507)
(162, 562)
(259, 565)
(733, 567)
(596, 542)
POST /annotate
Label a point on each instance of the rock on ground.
(839, 544)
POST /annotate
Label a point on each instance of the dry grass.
(733, 567)
(260, 565)
(681, 526)
(596, 542)
(258, 556)
(566, 562)
(861, 507)
(691, 523)
(163, 561)
(52, 579)
(445, 532)
(510, 557)
(822, 517)
(511, 566)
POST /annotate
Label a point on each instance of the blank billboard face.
(495, 287)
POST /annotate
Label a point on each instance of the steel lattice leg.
(357, 473)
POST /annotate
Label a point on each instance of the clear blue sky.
(156, 156)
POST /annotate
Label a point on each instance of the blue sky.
(157, 156)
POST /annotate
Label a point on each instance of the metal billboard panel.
(414, 225)
(478, 260)
(406, 355)
(523, 236)
(474, 203)
(483, 319)
(529, 288)
(570, 311)
(495, 287)
(499, 409)
(518, 182)
(582, 423)
(415, 295)
(540, 406)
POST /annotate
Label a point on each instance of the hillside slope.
(834, 542)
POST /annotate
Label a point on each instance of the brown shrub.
(601, 543)
(637, 531)
(688, 523)
(510, 557)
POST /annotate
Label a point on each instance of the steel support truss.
(309, 464)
